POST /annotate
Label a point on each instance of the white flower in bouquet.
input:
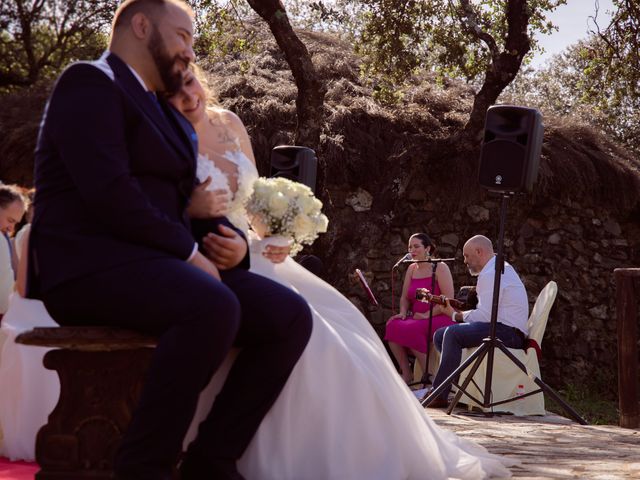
(278, 204)
(288, 209)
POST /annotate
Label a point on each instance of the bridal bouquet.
(288, 209)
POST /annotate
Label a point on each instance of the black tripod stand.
(487, 348)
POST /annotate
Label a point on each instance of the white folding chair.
(507, 377)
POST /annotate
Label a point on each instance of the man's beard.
(171, 79)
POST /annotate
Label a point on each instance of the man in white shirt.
(513, 313)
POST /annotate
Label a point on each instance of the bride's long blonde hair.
(214, 107)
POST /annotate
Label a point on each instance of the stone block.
(554, 223)
(577, 245)
(619, 242)
(450, 239)
(526, 230)
(601, 312)
(554, 239)
(612, 227)
(574, 229)
(360, 200)
(478, 214)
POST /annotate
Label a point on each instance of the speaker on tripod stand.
(509, 161)
(511, 149)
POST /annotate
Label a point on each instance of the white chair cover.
(507, 377)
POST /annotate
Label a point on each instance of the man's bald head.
(477, 251)
(152, 9)
(480, 241)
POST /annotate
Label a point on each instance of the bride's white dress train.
(344, 414)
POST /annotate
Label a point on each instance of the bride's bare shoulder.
(234, 129)
(226, 117)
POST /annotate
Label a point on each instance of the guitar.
(424, 295)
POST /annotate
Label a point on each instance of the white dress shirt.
(513, 304)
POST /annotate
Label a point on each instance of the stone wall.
(573, 242)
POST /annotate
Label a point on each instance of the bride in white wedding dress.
(345, 413)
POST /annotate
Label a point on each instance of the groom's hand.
(225, 250)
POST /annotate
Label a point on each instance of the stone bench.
(101, 371)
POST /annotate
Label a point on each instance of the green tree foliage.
(610, 78)
(456, 38)
(223, 28)
(615, 57)
(344, 18)
(573, 84)
(482, 41)
(39, 37)
(597, 80)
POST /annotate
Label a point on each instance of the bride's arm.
(21, 276)
(274, 253)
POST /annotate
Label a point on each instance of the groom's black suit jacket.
(114, 170)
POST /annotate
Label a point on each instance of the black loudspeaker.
(511, 147)
(299, 164)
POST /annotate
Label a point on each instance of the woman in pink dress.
(407, 331)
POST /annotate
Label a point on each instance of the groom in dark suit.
(111, 245)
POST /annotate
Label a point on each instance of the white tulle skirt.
(345, 413)
(28, 392)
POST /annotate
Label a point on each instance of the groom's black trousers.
(198, 319)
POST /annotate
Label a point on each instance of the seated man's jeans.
(451, 340)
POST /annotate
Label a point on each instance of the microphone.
(430, 260)
(402, 260)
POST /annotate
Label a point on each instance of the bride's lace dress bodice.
(247, 174)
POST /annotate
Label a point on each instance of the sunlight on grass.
(588, 402)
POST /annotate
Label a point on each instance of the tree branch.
(470, 20)
(311, 89)
(502, 70)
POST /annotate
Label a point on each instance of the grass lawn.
(588, 402)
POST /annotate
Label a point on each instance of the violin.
(424, 295)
